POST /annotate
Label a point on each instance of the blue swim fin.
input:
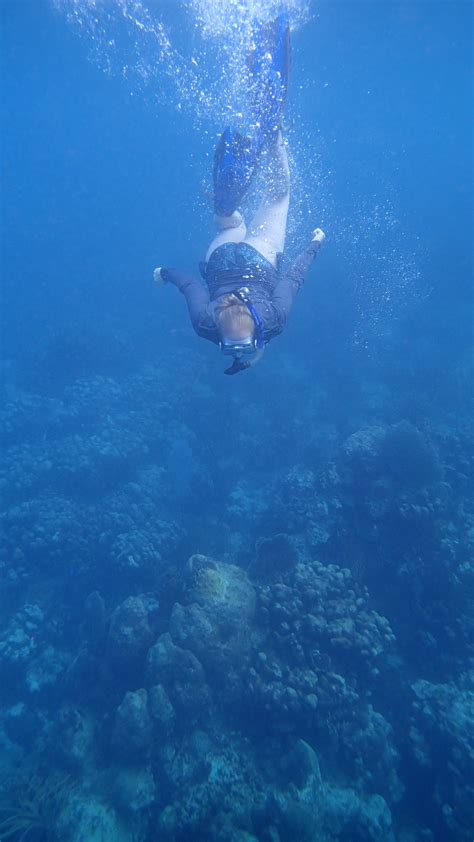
(236, 156)
(234, 163)
(269, 64)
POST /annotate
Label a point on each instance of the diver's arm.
(197, 299)
(288, 287)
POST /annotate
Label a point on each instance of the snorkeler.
(247, 300)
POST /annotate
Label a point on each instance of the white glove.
(318, 236)
(157, 276)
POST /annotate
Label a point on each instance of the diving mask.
(246, 352)
(239, 347)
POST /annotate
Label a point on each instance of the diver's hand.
(318, 236)
(158, 277)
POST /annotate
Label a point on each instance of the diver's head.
(240, 329)
(234, 321)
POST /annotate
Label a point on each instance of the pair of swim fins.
(236, 155)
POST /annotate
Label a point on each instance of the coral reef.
(304, 676)
(442, 739)
(31, 805)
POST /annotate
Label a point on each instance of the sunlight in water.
(199, 46)
(190, 57)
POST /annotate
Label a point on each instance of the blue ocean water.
(236, 608)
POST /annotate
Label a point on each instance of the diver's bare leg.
(231, 229)
(268, 228)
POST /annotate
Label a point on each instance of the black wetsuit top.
(235, 265)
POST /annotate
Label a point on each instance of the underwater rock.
(134, 788)
(422, 834)
(215, 623)
(220, 647)
(23, 636)
(182, 676)
(22, 724)
(298, 481)
(161, 709)
(311, 661)
(347, 815)
(442, 738)
(375, 820)
(131, 633)
(305, 511)
(409, 457)
(274, 556)
(361, 452)
(224, 590)
(321, 662)
(133, 725)
(369, 748)
(212, 788)
(87, 819)
(84, 673)
(246, 503)
(301, 767)
(46, 532)
(45, 670)
(135, 552)
(94, 623)
(28, 658)
(72, 737)
(349, 621)
(296, 819)
(296, 808)
(308, 808)
(23, 414)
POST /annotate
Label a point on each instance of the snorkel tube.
(243, 295)
(240, 365)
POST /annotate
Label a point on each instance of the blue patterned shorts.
(233, 265)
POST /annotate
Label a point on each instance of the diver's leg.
(231, 229)
(268, 228)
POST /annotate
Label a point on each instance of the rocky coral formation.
(442, 740)
(261, 694)
(30, 650)
(217, 614)
(131, 632)
(233, 646)
(320, 663)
